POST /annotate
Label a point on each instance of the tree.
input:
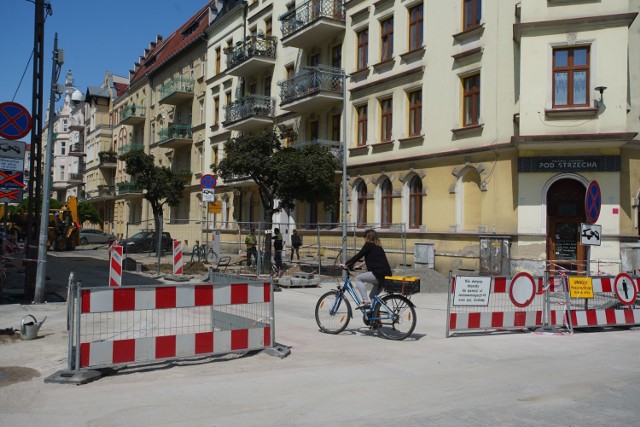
(87, 213)
(162, 186)
(283, 175)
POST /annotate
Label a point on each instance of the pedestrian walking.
(296, 243)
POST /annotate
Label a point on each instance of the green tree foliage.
(160, 184)
(87, 213)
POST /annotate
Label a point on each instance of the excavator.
(64, 227)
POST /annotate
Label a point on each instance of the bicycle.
(204, 253)
(392, 315)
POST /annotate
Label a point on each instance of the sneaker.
(364, 305)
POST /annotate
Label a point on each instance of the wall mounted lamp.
(601, 89)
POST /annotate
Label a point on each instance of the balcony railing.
(130, 147)
(250, 106)
(132, 114)
(252, 46)
(108, 158)
(106, 191)
(76, 149)
(176, 90)
(334, 146)
(311, 80)
(128, 188)
(75, 177)
(174, 132)
(309, 12)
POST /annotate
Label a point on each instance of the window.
(471, 100)
(63, 147)
(386, 118)
(336, 56)
(386, 39)
(363, 47)
(314, 60)
(218, 55)
(415, 113)
(202, 118)
(313, 213)
(65, 125)
(216, 110)
(415, 27)
(268, 27)
(571, 77)
(289, 71)
(472, 13)
(314, 130)
(335, 128)
(267, 86)
(362, 125)
(415, 202)
(362, 204)
(385, 204)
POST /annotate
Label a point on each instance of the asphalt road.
(589, 378)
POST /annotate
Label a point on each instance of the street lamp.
(344, 168)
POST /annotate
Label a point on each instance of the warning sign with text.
(472, 291)
(580, 287)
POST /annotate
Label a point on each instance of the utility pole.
(58, 60)
(35, 160)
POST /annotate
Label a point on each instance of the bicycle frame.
(347, 286)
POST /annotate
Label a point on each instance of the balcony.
(106, 191)
(312, 22)
(76, 124)
(76, 149)
(251, 57)
(128, 189)
(75, 179)
(334, 146)
(133, 115)
(312, 89)
(184, 175)
(130, 147)
(175, 136)
(250, 113)
(108, 160)
(177, 90)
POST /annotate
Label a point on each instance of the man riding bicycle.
(377, 264)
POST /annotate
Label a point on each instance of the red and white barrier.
(166, 321)
(99, 300)
(177, 257)
(115, 266)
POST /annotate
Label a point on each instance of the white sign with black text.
(208, 195)
(472, 291)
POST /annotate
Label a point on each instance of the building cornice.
(573, 24)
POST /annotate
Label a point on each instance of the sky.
(96, 36)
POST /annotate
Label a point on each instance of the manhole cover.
(15, 374)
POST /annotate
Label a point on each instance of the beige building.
(473, 126)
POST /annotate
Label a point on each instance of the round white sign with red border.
(625, 289)
(522, 289)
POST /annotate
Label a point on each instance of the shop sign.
(569, 164)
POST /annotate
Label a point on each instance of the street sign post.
(15, 121)
(593, 202)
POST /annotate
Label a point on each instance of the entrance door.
(565, 213)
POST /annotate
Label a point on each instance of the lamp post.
(344, 168)
(46, 184)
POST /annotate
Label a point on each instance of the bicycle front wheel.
(212, 257)
(333, 312)
(195, 254)
(396, 317)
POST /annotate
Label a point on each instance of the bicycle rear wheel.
(333, 312)
(212, 257)
(398, 321)
(195, 253)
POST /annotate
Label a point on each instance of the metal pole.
(344, 168)
(46, 187)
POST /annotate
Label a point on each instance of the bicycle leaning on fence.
(392, 315)
(204, 253)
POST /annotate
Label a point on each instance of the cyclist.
(251, 241)
(377, 265)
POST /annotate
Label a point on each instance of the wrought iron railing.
(76, 147)
(133, 110)
(249, 106)
(309, 12)
(334, 146)
(174, 132)
(177, 84)
(130, 147)
(106, 190)
(75, 177)
(311, 80)
(128, 188)
(256, 45)
(107, 157)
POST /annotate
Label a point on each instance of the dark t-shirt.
(375, 259)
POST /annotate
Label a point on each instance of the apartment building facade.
(465, 123)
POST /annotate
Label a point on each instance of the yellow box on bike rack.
(404, 285)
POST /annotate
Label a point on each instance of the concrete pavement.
(355, 378)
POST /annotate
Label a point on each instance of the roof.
(160, 52)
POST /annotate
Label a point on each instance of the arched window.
(415, 203)
(362, 204)
(385, 204)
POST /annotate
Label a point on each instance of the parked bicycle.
(392, 315)
(204, 253)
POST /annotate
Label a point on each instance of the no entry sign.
(15, 121)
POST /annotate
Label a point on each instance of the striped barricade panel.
(125, 325)
(495, 303)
